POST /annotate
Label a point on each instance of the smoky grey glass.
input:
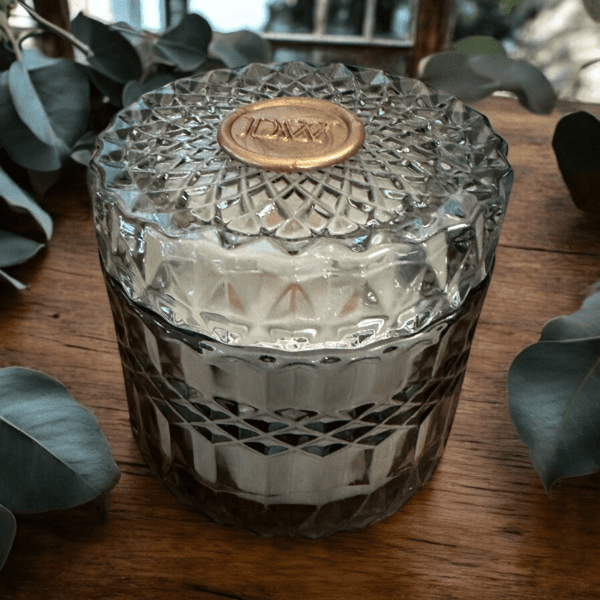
(294, 344)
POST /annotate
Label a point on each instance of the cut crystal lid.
(379, 245)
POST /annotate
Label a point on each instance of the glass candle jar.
(296, 258)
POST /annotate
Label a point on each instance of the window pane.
(396, 18)
(392, 18)
(232, 15)
(93, 8)
(290, 16)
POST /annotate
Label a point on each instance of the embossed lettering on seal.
(297, 130)
(292, 134)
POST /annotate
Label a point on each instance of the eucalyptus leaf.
(33, 59)
(444, 65)
(479, 66)
(20, 199)
(553, 392)
(240, 48)
(52, 102)
(42, 181)
(448, 71)
(128, 32)
(18, 140)
(54, 455)
(114, 56)
(186, 45)
(4, 276)
(134, 89)
(82, 149)
(21, 143)
(576, 144)
(64, 91)
(8, 528)
(28, 105)
(109, 88)
(585, 323)
(527, 82)
(143, 42)
(16, 249)
(479, 44)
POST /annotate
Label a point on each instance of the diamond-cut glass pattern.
(291, 443)
(379, 246)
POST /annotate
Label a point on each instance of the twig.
(27, 34)
(11, 36)
(58, 30)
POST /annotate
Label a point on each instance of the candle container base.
(292, 443)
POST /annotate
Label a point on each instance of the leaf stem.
(27, 34)
(11, 36)
(58, 30)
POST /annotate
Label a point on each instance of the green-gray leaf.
(448, 71)
(16, 249)
(28, 105)
(33, 59)
(82, 149)
(240, 48)
(186, 46)
(585, 323)
(20, 199)
(41, 112)
(54, 455)
(42, 181)
(19, 141)
(479, 66)
(4, 276)
(114, 57)
(64, 91)
(553, 402)
(143, 42)
(527, 82)
(134, 89)
(479, 44)
(109, 88)
(8, 528)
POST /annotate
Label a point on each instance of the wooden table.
(483, 528)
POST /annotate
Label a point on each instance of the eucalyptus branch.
(27, 34)
(11, 36)
(57, 30)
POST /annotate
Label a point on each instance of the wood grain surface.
(483, 528)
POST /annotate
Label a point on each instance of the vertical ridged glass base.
(294, 444)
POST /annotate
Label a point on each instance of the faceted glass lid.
(380, 244)
(425, 159)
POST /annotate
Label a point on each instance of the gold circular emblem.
(291, 134)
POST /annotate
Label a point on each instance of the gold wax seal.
(291, 134)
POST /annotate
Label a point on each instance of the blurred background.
(557, 36)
